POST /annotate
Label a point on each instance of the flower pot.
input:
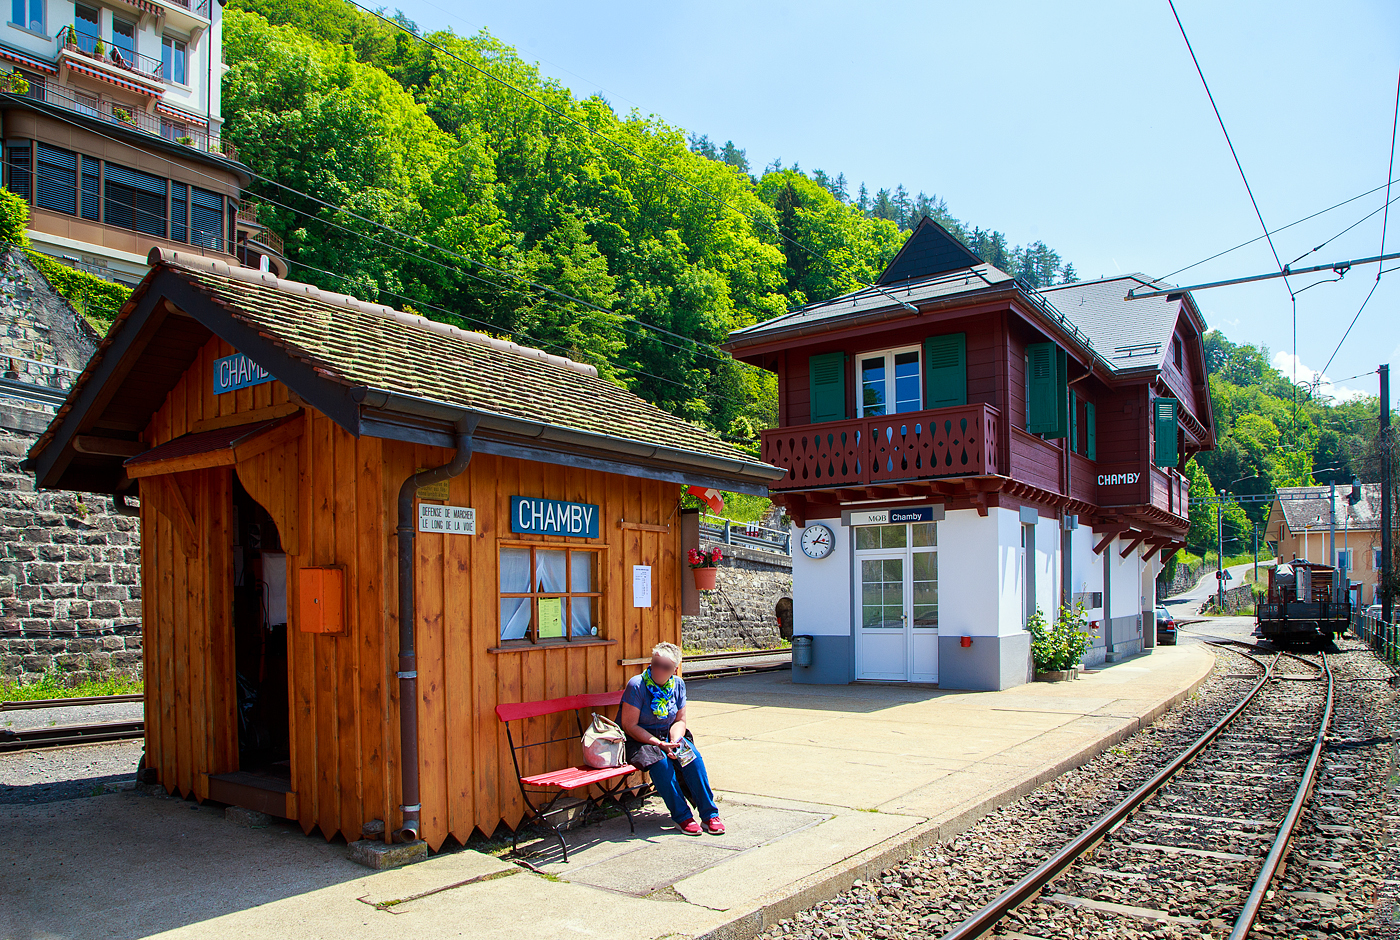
(704, 578)
(1056, 675)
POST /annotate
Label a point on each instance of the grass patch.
(51, 686)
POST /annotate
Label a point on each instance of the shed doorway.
(897, 602)
(258, 571)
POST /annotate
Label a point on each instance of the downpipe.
(407, 530)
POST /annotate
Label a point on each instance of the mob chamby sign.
(238, 371)
(532, 516)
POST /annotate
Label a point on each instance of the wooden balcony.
(915, 445)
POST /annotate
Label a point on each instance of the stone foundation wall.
(70, 582)
(739, 612)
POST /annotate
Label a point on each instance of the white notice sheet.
(641, 585)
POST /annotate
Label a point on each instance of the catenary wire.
(718, 200)
(1246, 244)
(1394, 122)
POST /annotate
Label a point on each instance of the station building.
(344, 509)
(962, 450)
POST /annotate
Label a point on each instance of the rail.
(197, 7)
(119, 114)
(29, 739)
(941, 442)
(1030, 886)
(745, 535)
(72, 39)
(1382, 637)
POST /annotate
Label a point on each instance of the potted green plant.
(122, 114)
(98, 49)
(187, 140)
(703, 565)
(1056, 650)
(15, 83)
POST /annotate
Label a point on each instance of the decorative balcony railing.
(943, 442)
(114, 112)
(197, 7)
(95, 47)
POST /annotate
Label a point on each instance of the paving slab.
(819, 786)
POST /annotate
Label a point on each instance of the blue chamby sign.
(532, 516)
(238, 371)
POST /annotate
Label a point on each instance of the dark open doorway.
(260, 639)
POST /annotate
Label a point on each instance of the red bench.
(554, 784)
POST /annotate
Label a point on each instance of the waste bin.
(802, 651)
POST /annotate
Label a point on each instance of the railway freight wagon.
(1304, 604)
(361, 531)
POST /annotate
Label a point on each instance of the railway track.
(1198, 844)
(56, 735)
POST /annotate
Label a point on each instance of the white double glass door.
(897, 602)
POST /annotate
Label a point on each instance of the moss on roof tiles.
(361, 348)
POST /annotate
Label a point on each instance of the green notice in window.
(551, 617)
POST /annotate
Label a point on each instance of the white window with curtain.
(890, 382)
(549, 594)
(28, 14)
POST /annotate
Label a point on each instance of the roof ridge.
(190, 262)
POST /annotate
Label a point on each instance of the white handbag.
(604, 743)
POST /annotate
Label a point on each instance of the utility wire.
(1394, 122)
(718, 355)
(1247, 188)
(717, 199)
(1246, 244)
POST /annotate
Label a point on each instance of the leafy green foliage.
(667, 241)
(97, 300)
(14, 219)
(1062, 646)
(53, 685)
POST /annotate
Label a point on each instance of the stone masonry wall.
(70, 586)
(739, 612)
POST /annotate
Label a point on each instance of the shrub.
(14, 219)
(1062, 646)
(96, 299)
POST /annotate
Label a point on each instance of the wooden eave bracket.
(1132, 546)
(1109, 537)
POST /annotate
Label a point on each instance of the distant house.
(962, 450)
(1300, 521)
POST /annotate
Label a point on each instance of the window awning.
(28, 62)
(181, 115)
(100, 75)
(221, 447)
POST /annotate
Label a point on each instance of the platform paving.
(819, 786)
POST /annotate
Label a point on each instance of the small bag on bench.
(603, 743)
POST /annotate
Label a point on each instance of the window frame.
(907, 551)
(532, 638)
(169, 41)
(29, 6)
(889, 355)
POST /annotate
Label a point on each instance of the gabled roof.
(1129, 334)
(930, 249)
(373, 370)
(1316, 513)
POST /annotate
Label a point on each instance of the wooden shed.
(286, 444)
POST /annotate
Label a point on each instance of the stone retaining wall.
(738, 613)
(70, 582)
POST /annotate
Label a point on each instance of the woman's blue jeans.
(663, 777)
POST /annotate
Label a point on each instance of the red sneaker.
(690, 827)
(714, 826)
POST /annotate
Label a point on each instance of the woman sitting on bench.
(653, 714)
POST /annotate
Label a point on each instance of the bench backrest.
(517, 710)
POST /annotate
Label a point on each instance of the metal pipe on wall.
(407, 530)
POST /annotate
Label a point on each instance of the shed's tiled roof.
(360, 344)
(1316, 513)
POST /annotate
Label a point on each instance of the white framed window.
(891, 382)
(173, 56)
(1375, 559)
(28, 14)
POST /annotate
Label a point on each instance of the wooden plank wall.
(467, 780)
(340, 496)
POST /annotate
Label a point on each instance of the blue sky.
(1081, 124)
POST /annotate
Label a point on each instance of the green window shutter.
(1073, 425)
(945, 371)
(1061, 394)
(1091, 443)
(1041, 370)
(1164, 417)
(827, 373)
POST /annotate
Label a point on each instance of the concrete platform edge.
(824, 885)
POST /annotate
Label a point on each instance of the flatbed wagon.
(1304, 604)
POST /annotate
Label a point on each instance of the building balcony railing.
(914, 445)
(116, 113)
(197, 7)
(73, 39)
